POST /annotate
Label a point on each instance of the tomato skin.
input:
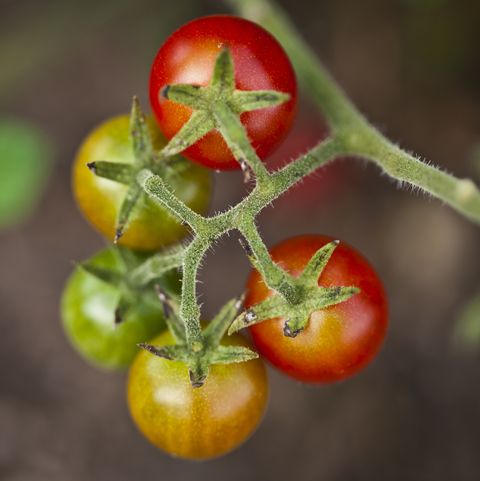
(196, 423)
(338, 341)
(188, 56)
(100, 200)
(87, 310)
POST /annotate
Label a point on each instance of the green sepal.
(198, 125)
(123, 306)
(171, 313)
(116, 171)
(210, 350)
(198, 371)
(109, 276)
(197, 365)
(245, 101)
(132, 196)
(223, 77)
(317, 264)
(327, 297)
(155, 266)
(219, 325)
(128, 258)
(297, 315)
(190, 95)
(232, 354)
(174, 352)
(309, 297)
(218, 106)
(141, 141)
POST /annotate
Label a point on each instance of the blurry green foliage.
(467, 333)
(25, 159)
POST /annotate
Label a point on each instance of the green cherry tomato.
(196, 423)
(87, 309)
(100, 199)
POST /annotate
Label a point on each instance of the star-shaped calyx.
(312, 298)
(133, 277)
(218, 106)
(145, 157)
(209, 351)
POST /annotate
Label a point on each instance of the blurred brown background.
(413, 66)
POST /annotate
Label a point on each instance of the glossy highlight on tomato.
(151, 226)
(338, 341)
(188, 56)
(196, 423)
(87, 310)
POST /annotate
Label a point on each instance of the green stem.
(275, 277)
(156, 188)
(351, 135)
(189, 308)
(346, 123)
(461, 194)
(317, 157)
(335, 105)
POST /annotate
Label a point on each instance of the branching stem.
(359, 137)
(350, 134)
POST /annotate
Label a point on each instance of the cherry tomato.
(87, 310)
(196, 423)
(188, 56)
(99, 199)
(338, 341)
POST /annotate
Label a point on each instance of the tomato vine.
(217, 107)
(351, 134)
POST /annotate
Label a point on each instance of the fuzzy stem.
(317, 157)
(156, 189)
(461, 194)
(346, 122)
(275, 277)
(189, 308)
(335, 105)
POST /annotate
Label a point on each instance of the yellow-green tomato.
(196, 423)
(87, 309)
(100, 199)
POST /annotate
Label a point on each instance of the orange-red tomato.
(188, 56)
(196, 423)
(338, 341)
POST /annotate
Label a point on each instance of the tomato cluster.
(107, 313)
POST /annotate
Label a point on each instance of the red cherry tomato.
(338, 341)
(260, 63)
